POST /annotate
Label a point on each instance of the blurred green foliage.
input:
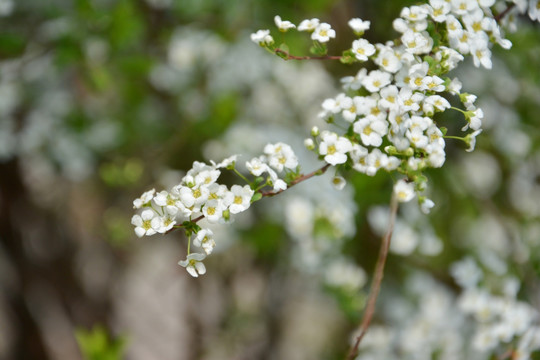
(97, 344)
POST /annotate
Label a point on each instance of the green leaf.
(256, 197)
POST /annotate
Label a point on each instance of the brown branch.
(270, 193)
(499, 16)
(298, 180)
(377, 279)
(293, 57)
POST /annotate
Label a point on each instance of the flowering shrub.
(387, 120)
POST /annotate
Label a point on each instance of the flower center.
(331, 150)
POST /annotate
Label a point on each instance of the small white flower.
(390, 98)
(334, 148)
(481, 55)
(417, 43)
(262, 37)
(362, 49)
(205, 239)
(376, 80)
(213, 210)
(226, 162)
(323, 33)
(147, 223)
(193, 196)
(193, 264)
(281, 155)
(308, 25)
(358, 25)
(404, 191)
(426, 205)
(338, 182)
(144, 199)
(257, 166)
(169, 201)
(470, 139)
(283, 25)
(206, 177)
(388, 60)
(439, 9)
(239, 198)
(371, 130)
(414, 13)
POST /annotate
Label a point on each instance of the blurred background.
(102, 100)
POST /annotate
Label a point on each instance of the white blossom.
(194, 265)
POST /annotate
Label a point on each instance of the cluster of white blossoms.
(389, 112)
(199, 196)
(501, 319)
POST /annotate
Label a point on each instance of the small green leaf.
(256, 197)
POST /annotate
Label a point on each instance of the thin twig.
(298, 180)
(293, 57)
(377, 279)
(499, 16)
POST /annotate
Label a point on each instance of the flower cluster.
(501, 318)
(390, 112)
(200, 196)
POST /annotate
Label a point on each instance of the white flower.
(414, 13)
(334, 148)
(213, 210)
(358, 25)
(371, 130)
(439, 9)
(470, 139)
(404, 191)
(323, 33)
(283, 26)
(466, 273)
(144, 199)
(239, 198)
(462, 7)
(257, 166)
(169, 201)
(417, 43)
(147, 223)
(193, 264)
(437, 102)
(390, 98)
(226, 162)
(338, 182)
(358, 156)
(351, 108)
(534, 10)
(376, 80)
(426, 205)
(193, 196)
(205, 239)
(308, 25)
(388, 60)
(433, 83)
(481, 55)
(281, 155)
(475, 119)
(166, 223)
(206, 177)
(362, 49)
(262, 37)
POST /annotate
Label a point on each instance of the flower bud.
(309, 144)
(315, 131)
